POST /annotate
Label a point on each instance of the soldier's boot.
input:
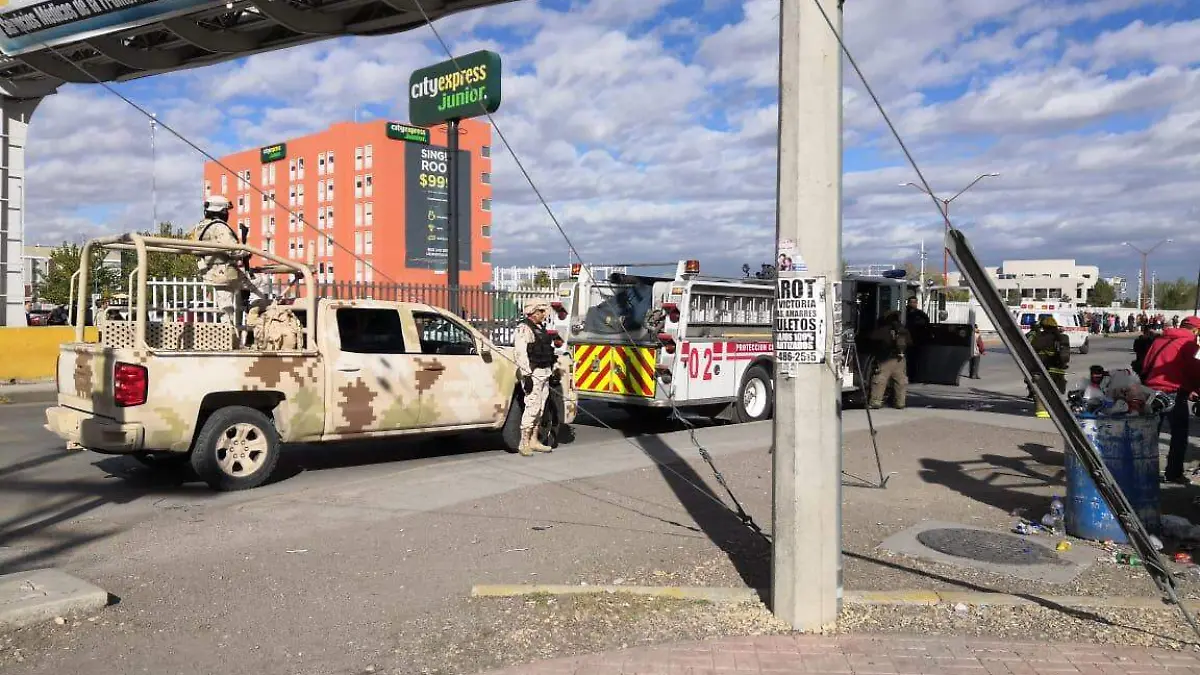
(536, 444)
(524, 448)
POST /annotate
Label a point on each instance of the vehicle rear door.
(371, 385)
(940, 350)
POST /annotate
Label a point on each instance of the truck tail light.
(672, 310)
(668, 342)
(559, 310)
(556, 338)
(129, 385)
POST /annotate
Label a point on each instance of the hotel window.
(224, 183)
(487, 256)
(207, 189)
(264, 199)
(291, 248)
(242, 208)
(329, 271)
(266, 175)
(358, 243)
(369, 273)
(358, 159)
(329, 190)
(369, 184)
(329, 246)
(358, 215)
(368, 242)
(292, 170)
(321, 218)
(329, 162)
(321, 164)
(272, 174)
(486, 205)
(292, 196)
(272, 224)
(292, 222)
(358, 187)
(300, 194)
(358, 270)
(329, 217)
(271, 196)
(485, 151)
(485, 178)
(486, 230)
(300, 168)
(320, 191)
(369, 213)
(321, 268)
(263, 225)
(321, 246)
(370, 158)
(270, 245)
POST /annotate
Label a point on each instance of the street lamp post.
(1144, 280)
(945, 203)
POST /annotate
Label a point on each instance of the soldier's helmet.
(534, 305)
(217, 204)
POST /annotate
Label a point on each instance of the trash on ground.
(1063, 545)
(1128, 559)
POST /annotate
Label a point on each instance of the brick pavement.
(865, 655)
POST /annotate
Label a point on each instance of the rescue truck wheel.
(236, 449)
(756, 400)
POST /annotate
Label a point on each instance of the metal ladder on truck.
(1076, 441)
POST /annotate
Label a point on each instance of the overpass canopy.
(146, 37)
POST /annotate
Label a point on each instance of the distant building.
(1039, 280)
(525, 278)
(363, 205)
(1120, 286)
(35, 266)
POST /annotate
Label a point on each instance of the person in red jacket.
(1172, 368)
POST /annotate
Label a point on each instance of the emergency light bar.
(575, 267)
(691, 267)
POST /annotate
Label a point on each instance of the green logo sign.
(403, 132)
(273, 153)
(447, 91)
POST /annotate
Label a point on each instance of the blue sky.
(650, 127)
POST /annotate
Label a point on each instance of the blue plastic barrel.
(1129, 446)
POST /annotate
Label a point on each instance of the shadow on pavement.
(1070, 611)
(977, 479)
(749, 552)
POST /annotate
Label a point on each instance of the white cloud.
(646, 152)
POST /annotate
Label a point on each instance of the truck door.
(372, 386)
(456, 384)
(940, 349)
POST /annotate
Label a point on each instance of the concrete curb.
(912, 597)
(36, 596)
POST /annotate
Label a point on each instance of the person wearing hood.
(1171, 367)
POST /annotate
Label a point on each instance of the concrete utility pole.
(807, 498)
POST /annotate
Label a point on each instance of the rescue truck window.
(370, 331)
(440, 335)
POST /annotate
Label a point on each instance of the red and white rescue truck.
(703, 344)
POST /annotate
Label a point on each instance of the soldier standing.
(891, 340)
(534, 353)
(220, 268)
(1053, 348)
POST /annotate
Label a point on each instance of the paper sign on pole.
(799, 323)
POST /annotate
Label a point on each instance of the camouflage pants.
(226, 297)
(891, 370)
(535, 400)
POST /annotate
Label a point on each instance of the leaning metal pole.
(1076, 441)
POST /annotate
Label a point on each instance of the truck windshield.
(619, 308)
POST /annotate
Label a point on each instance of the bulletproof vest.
(541, 350)
(197, 233)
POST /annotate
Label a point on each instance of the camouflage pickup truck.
(184, 391)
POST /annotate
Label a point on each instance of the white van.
(1030, 313)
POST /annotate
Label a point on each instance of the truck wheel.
(237, 449)
(755, 399)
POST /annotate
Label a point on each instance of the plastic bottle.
(1128, 559)
(1054, 519)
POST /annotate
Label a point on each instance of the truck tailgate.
(84, 378)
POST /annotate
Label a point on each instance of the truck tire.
(756, 397)
(236, 449)
(548, 429)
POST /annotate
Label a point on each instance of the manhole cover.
(989, 547)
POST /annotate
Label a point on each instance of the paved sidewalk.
(870, 656)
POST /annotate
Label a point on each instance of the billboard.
(426, 186)
(468, 86)
(30, 25)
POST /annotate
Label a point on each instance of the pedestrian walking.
(977, 350)
(890, 340)
(1172, 368)
(533, 350)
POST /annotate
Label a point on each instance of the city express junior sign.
(465, 87)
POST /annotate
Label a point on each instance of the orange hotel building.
(382, 198)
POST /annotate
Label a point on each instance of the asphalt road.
(233, 564)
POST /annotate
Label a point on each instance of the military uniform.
(220, 269)
(1053, 349)
(891, 341)
(534, 353)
